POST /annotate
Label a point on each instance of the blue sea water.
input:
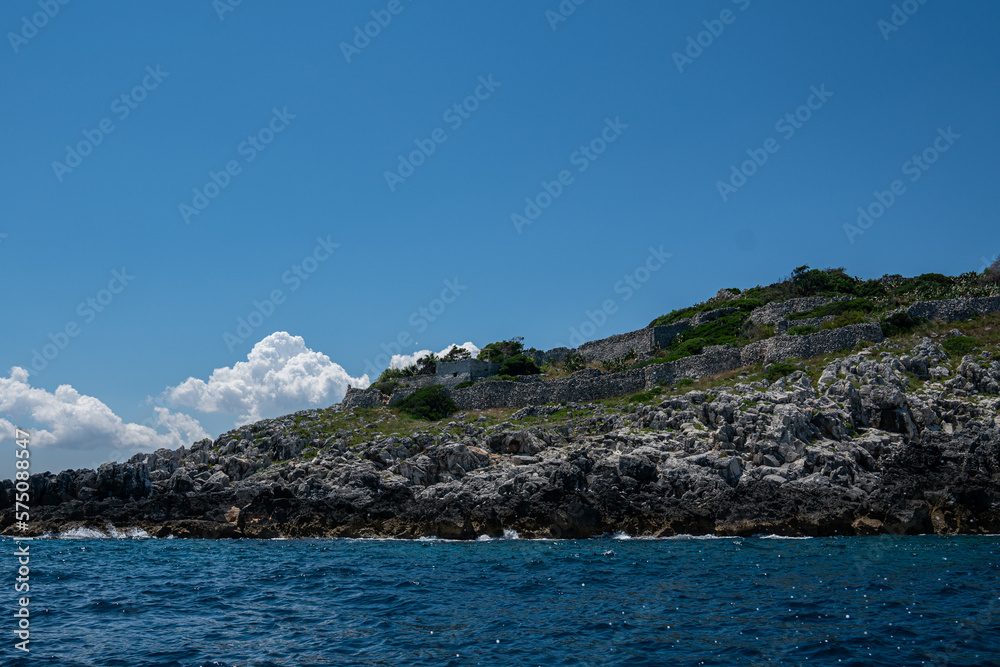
(613, 601)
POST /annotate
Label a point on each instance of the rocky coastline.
(896, 437)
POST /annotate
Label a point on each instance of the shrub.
(575, 362)
(685, 382)
(463, 385)
(846, 318)
(500, 350)
(778, 370)
(959, 346)
(430, 403)
(385, 387)
(395, 373)
(757, 331)
(619, 364)
(640, 397)
(802, 330)
(427, 364)
(898, 324)
(519, 364)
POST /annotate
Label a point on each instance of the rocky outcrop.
(863, 449)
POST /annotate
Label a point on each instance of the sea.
(123, 599)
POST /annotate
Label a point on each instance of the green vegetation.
(430, 403)
(463, 385)
(899, 324)
(619, 364)
(456, 353)
(802, 330)
(519, 364)
(574, 362)
(778, 370)
(510, 354)
(685, 382)
(959, 346)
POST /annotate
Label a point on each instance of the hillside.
(898, 433)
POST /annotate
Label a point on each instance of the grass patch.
(778, 370)
(959, 346)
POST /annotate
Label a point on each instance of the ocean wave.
(109, 533)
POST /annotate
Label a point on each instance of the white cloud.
(68, 419)
(404, 360)
(281, 375)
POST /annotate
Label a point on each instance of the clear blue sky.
(309, 128)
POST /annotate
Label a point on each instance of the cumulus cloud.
(404, 360)
(70, 420)
(281, 375)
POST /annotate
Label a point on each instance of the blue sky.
(175, 163)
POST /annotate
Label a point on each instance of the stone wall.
(952, 310)
(641, 342)
(780, 348)
(590, 384)
(774, 312)
(470, 368)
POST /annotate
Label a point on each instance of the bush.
(500, 350)
(385, 387)
(802, 330)
(396, 373)
(898, 324)
(519, 364)
(959, 346)
(686, 382)
(991, 276)
(575, 362)
(846, 318)
(619, 364)
(463, 385)
(430, 403)
(640, 397)
(778, 370)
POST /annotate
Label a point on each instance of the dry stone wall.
(952, 310)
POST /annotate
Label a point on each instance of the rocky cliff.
(897, 437)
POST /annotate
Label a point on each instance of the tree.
(456, 353)
(427, 364)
